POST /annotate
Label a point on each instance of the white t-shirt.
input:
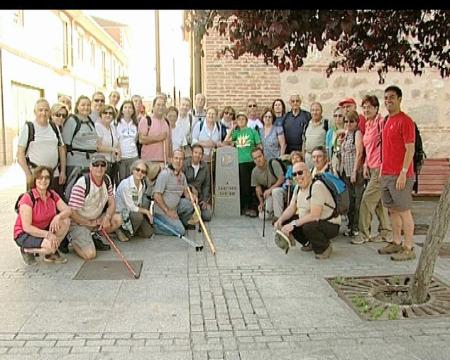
(196, 167)
(127, 134)
(44, 149)
(178, 137)
(253, 123)
(108, 138)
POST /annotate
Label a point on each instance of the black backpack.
(74, 179)
(33, 200)
(279, 161)
(31, 133)
(338, 191)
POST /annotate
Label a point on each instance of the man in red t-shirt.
(348, 105)
(397, 175)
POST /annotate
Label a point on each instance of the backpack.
(221, 129)
(419, 153)
(74, 178)
(78, 122)
(31, 133)
(279, 161)
(338, 191)
(33, 200)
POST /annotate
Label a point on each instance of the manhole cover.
(108, 270)
(385, 297)
(444, 251)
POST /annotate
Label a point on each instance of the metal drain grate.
(366, 296)
(107, 270)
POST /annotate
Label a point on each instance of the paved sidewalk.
(250, 301)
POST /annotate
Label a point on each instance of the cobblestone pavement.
(250, 301)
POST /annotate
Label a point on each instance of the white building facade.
(47, 53)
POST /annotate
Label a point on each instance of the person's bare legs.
(408, 228)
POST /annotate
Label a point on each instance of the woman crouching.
(42, 221)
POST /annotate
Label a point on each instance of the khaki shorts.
(400, 200)
(81, 236)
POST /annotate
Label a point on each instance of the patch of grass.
(361, 304)
(395, 280)
(393, 312)
(376, 313)
(339, 280)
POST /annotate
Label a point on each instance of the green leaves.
(380, 39)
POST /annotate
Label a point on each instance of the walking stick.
(164, 152)
(116, 249)
(174, 232)
(264, 217)
(202, 224)
(212, 180)
(289, 194)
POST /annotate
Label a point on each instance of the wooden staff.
(202, 224)
(212, 180)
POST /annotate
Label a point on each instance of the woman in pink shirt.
(371, 200)
(43, 220)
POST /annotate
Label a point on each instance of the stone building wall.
(232, 82)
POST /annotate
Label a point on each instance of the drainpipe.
(158, 63)
(2, 112)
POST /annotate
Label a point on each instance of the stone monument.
(227, 201)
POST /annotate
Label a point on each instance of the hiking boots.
(99, 244)
(326, 254)
(121, 235)
(358, 240)
(55, 258)
(307, 247)
(28, 258)
(251, 213)
(404, 255)
(351, 233)
(391, 248)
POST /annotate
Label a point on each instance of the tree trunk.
(435, 236)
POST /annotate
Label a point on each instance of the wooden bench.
(433, 177)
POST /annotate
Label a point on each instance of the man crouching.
(307, 218)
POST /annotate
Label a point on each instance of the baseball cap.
(282, 241)
(348, 100)
(98, 157)
(241, 113)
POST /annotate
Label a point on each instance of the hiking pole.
(212, 180)
(164, 152)
(202, 224)
(174, 232)
(264, 218)
(116, 249)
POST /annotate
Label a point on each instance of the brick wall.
(233, 82)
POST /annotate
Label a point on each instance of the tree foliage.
(373, 39)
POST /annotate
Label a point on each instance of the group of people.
(100, 169)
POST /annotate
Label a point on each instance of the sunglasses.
(142, 171)
(298, 173)
(252, 105)
(99, 100)
(338, 115)
(63, 115)
(43, 177)
(97, 164)
(351, 122)
(108, 113)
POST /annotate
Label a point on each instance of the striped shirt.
(92, 205)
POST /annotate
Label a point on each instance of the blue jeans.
(184, 211)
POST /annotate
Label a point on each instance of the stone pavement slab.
(250, 301)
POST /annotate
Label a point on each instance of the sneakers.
(351, 233)
(189, 226)
(28, 258)
(55, 258)
(404, 254)
(391, 248)
(376, 239)
(325, 255)
(251, 213)
(121, 235)
(307, 247)
(194, 219)
(358, 240)
(99, 244)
